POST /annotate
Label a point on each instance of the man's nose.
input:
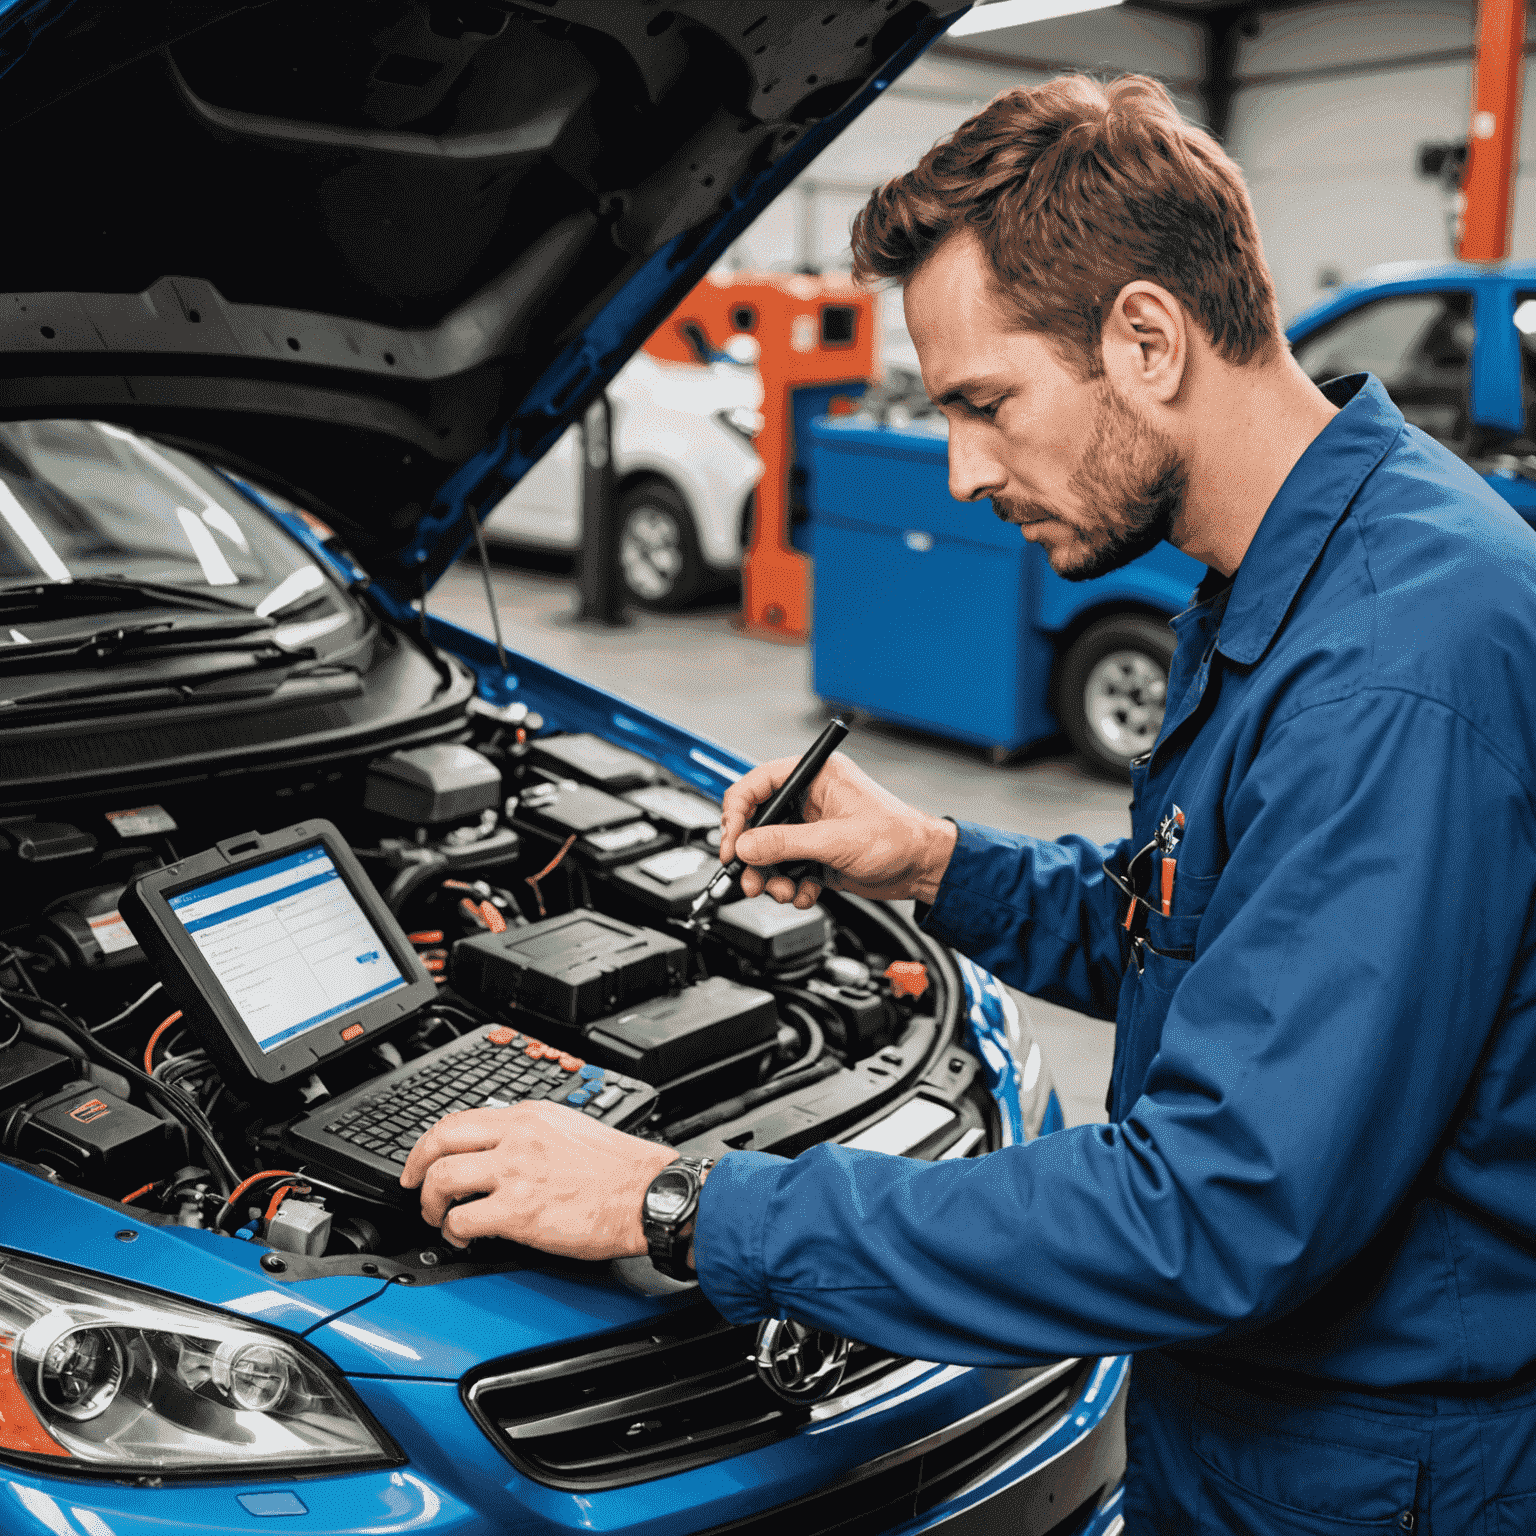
(974, 473)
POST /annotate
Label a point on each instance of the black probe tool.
(784, 805)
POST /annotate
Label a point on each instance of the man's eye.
(989, 409)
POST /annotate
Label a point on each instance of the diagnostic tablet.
(278, 950)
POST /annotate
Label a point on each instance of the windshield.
(83, 499)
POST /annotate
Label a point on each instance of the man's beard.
(1130, 484)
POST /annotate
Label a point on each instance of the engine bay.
(527, 887)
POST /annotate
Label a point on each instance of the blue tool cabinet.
(932, 613)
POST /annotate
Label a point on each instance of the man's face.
(1078, 467)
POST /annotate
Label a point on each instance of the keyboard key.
(591, 1070)
(399, 1155)
(608, 1098)
(501, 1035)
(579, 1097)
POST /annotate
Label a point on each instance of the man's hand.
(546, 1175)
(872, 843)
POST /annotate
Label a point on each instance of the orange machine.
(817, 336)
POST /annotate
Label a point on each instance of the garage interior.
(1332, 110)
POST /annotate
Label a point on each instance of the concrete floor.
(755, 697)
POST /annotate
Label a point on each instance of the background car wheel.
(1114, 683)
(658, 550)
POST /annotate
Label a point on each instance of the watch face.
(668, 1194)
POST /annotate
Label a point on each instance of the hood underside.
(381, 252)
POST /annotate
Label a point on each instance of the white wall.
(1334, 101)
(1330, 159)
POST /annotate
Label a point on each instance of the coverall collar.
(1306, 509)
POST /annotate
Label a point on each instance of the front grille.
(912, 1480)
(646, 1403)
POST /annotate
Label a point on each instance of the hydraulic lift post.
(817, 336)
(1488, 187)
(600, 595)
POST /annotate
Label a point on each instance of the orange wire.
(494, 920)
(549, 868)
(256, 1178)
(154, 1040)
(282, 1192)
(143, 1189)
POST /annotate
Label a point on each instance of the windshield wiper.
(41, 596)
(264, 678)
(136, 641)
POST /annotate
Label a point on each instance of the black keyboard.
(368, 1133)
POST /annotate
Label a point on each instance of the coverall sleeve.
(1038, 915)
(1352, 964)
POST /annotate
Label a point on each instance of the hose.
(810, 1033)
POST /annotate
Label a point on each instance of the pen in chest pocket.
(1169, 832)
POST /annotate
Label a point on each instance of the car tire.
(659, 561)
(1113, 685)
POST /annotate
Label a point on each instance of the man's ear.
(1145, 343)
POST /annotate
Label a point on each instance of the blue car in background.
(1455, 346)
(325, 283)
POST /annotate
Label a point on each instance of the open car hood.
(380, 253)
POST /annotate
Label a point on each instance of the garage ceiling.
(1223, 26)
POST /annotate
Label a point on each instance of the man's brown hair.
(1075, 189)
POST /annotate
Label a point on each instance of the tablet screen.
(289, 943)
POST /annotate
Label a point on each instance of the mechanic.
(1312, 1214)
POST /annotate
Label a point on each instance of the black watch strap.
(668, 1212)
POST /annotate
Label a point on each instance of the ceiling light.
(994, 14)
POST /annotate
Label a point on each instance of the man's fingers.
(752, 882)
(452, 1178)
(742, 799)
(808, 895)
(475, 1218)
(781, 888)
(818, 842)
(471, 1130)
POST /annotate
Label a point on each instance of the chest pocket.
(1147, 992)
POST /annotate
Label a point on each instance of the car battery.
(770, 934)
(676, 809)
(594, 760)
(574, 968)
(665, 1037)
(667, 883)
(91, 1137)
(611, 846)
(425, 785)
(562, 809)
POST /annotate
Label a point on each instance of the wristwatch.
(667, 1215)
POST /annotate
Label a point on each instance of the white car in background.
(686, 469)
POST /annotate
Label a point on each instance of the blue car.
(1455, 346)
(292, 296)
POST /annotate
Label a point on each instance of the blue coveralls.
(1312, 1213)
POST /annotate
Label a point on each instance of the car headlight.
(742, 420)
(96, 1375)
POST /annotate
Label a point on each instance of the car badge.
(799, 1364)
